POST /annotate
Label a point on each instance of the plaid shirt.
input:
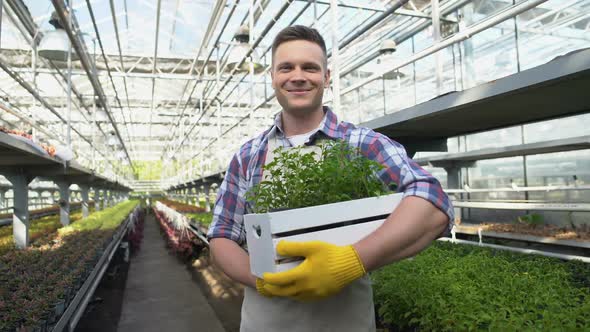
(245, 171)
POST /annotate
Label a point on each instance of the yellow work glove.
(260, 288)
(327, 268)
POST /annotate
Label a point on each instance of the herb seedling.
(298, 180)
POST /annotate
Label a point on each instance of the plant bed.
(135, 234)
(580, 233)
(38, 281)
(33, 214)
(451, 287)
(45, 227)
(182, 207)
(104, 309)
(203, 219)
(175, 228)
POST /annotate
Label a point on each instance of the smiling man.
(330, 290)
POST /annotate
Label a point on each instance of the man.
(329, 291)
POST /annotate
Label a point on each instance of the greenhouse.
(294, 165)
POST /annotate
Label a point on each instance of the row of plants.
(37, 284)
(181, 207)
(135, 234)
(175, 228)
(39, 228)
(50, 149)
(204, 219)
(200, 217)
(533, 224)
(47, 210)
(452, 287)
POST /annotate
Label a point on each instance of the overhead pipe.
(224, 64)
(519, 250)
(335, 52)
(29, 30)
(106, 62)
(445, 9)
(155, 64)
(25, 32)
(269, 97)
(116, 27)
(295, 18)
(233, 72)
(210, 29)
(257, 15)
(32, 91)
(371, 24)
(468, 33)
(61, 11)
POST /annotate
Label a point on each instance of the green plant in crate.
(342, 173)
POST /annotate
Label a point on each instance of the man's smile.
(298, 92)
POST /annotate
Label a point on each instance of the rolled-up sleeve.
(410, 178)
(230, 205)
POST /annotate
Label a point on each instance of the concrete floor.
(160, 294)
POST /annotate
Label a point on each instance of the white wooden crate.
(322, 222)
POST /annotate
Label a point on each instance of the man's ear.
(327, 77)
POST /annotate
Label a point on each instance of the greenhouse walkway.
(160, 294)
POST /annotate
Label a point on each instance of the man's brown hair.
(300, 32)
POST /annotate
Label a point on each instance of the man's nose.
(297, 75)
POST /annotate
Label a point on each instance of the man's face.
(299, 76)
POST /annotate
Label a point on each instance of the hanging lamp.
(55, 44)
(239, 50)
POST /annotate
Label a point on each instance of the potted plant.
(338, 199)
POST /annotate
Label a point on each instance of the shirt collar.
(328, 126)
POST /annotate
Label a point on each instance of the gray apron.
(350, 310)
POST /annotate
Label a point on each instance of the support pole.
(195, 197)
(437, 37)
(105, 198)
(64, 201)
(20, 216)
(453, 181)
(335, 61)
(207, 201)
(52, 193)
(39, 198)
(97, 204)
(84, 192)
(110, 198)
(2, 198)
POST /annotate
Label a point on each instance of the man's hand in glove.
(327, 268)
(260, 288)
